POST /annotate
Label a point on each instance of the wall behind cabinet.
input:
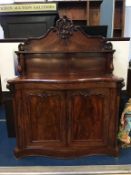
(127, 32)
(107, 15)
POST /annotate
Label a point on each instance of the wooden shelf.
(117, 32)
(94, 12)
(74, 10)
(80, 22)
(88, 11)
(119, 17)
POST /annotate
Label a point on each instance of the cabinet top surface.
(66, 79)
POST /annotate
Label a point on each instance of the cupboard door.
(88, 118)
(44, 118)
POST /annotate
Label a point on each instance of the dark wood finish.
(129, 80)
(119, 39)
(82, 12)
(119, 17)
(66, 99)
(94, 12)
(11, 40)
(74, 10)
(8, 98)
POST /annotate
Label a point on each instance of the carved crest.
(65, 28)
(108, 46)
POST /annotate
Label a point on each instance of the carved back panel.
(65, 50)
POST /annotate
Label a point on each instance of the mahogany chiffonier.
(66, 99)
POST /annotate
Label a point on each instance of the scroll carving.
(21, 47)
(108, 46)
(42, 94)
(65, 28)
(87, 94)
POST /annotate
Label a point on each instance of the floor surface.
(45, 165)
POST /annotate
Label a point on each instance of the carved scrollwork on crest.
(108, 46)
(65, 28)
(21, 47)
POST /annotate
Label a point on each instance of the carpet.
(7, 157)
(2, 112)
